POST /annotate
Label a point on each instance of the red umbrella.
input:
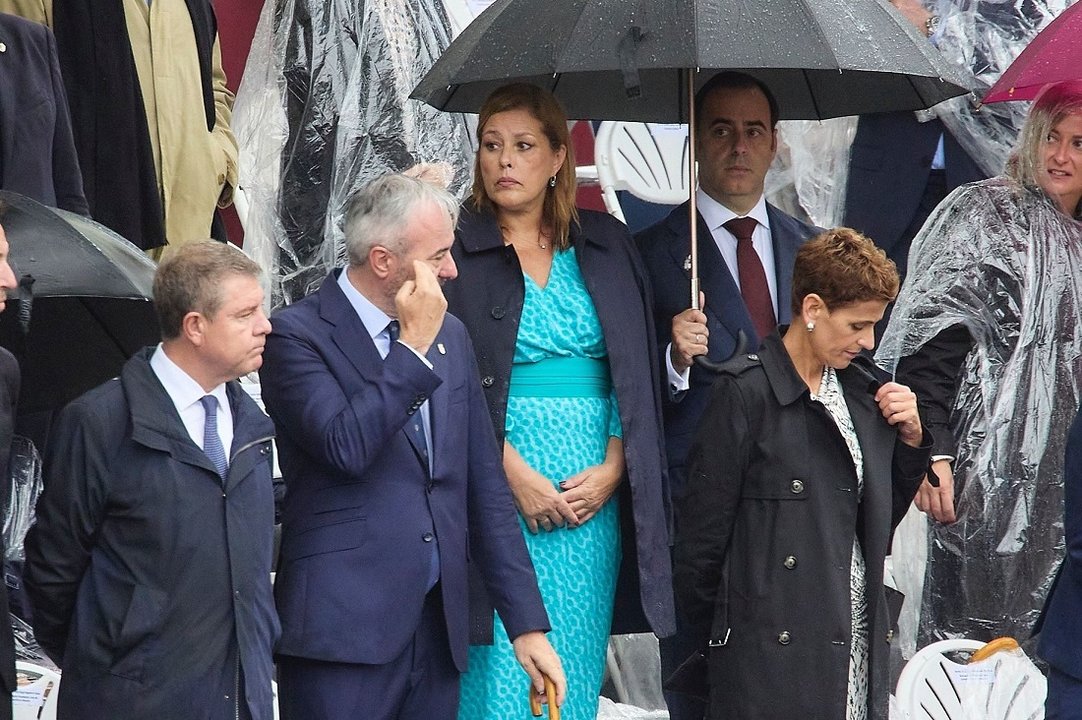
(1054, 55)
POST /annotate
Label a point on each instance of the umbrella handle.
(550, 694)
(713, 365)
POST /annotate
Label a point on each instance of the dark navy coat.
(147, 573)
(488, 297)
(37, 151)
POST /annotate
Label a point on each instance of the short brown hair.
(842, 267)
(190, 280)
(559, 211)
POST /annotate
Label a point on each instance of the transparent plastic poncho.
(1001, 260)
(980, 39)
(322, 109)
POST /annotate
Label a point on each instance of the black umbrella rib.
(811, 93)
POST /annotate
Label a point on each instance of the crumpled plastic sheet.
(980, 38)
(609, 710)
(322, 109)
(26, 486)
(1003, 262)
(637, 671)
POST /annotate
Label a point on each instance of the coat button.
(784, 638)
(487, 381)
(498, 312)
(753, 357)
(428, 537)
(890, 634)
(797, 487)
(790, 562)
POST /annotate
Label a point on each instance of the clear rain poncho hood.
(1001, 260)
(323, 110)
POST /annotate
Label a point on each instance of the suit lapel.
(724, 303)
(352, 339)
(783, 230)
(439, 402)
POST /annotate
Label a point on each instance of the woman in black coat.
(542, 285)
(801, 468)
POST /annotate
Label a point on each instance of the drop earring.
(810, 326)
(552, 181)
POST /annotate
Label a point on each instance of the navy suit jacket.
(665, 250)
(361, 507)
(889, 165)
(1060, 642)
(37, 152)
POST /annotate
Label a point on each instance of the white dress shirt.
(186, 393)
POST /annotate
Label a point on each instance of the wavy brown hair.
(842, 267)
(559, 210)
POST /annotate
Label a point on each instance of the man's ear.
(193, 328)
(380, 260)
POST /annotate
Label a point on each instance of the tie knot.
(742, 228)
(392, 330)
(210, 404)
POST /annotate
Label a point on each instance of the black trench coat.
(765, 539)
(488, 296)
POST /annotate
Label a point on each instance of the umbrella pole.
(693, 213)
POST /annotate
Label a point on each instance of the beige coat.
(196, 169)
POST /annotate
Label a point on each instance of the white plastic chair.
(36, 692)
(1004, 686)
(648, 160)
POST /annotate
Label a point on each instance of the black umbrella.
(83, 306)
(643, 59)
(628, 59)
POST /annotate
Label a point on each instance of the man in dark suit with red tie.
(393, 479)
(746, 253)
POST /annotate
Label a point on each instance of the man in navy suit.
(393, 479)
(736, 141)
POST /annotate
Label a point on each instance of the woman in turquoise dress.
(559, 312)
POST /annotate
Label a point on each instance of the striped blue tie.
(212, 442)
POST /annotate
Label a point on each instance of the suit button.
(790, 562)
(797, 487)
(487, 381)
(784, 638)
(498, 312)
(428, 537)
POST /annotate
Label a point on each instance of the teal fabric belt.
(561, 377)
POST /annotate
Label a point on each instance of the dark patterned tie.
(212, 442)
(413, 425)
(753, 285)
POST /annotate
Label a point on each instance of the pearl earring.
(552, 181)
(810, 326)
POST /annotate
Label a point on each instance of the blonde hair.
(559, 210)
(1051, 106)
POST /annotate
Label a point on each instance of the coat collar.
(478, 231)
(787, 385)
(156, 424)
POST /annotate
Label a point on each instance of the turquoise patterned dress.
(560, 415)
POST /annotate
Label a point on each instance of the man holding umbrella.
(746, 273)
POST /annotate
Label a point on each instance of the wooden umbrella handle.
(550, 693)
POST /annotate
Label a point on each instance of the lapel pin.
(3, 47)
(687, 264)
(441, 348)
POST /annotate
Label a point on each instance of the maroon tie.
(753, 284)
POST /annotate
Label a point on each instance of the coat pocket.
(142, 623)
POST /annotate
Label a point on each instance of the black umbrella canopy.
(87, 310)
(628, 59)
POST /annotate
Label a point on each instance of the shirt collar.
(375, 320)
(182, 389)
(715, 214)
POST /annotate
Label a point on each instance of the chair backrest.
(648, 160)
(35, 693)
(1005, 686)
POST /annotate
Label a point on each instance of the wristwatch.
(931, 25)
